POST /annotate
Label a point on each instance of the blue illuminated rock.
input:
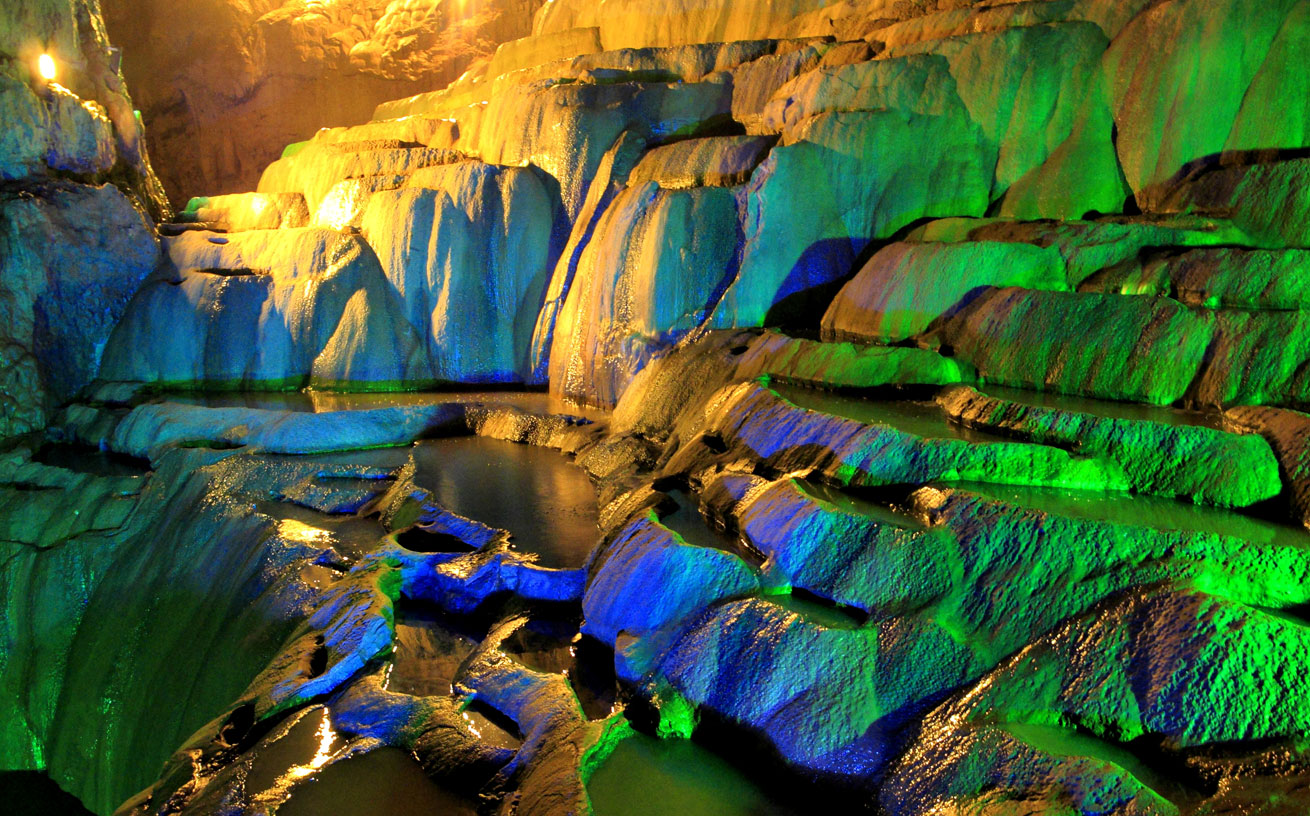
(70, 260)
(267, 309)
(468, 249)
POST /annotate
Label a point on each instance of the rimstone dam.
(655, 407)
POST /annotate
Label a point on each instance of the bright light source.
(46, 65)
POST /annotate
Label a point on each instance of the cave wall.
(77, 195)
(227, 85)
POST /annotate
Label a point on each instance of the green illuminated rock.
(761, 425)
(1110, 346)
(1264, 193)
(711, 162)
(1210, 92)
(828, 221)
(1188, 461)
(1218, 278)
(247, 211)
(1258, 358)
(905, 287)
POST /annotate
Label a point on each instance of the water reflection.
(646, 776)
(545, 501)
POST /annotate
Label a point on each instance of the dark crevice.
(420, 540)
(318, 659)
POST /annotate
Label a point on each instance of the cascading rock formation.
(655, 407)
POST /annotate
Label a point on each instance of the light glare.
(46, 65)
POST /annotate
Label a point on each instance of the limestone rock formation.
(909, 404)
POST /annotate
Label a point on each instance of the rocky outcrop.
(800, 265)
(1189, 461)
(1128, 348)
(71, 257)
(313, 304)
(905, 287)
(73, 248)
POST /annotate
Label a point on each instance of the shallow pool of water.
(646, 776)
(553, 646)
(848, 502)
(382, 782)
(545, 501)
(32, 793)
(81, 459)
(426, 656)
(925, 419)
(695, 529)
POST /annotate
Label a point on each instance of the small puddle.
(33, 793)
(550, 647)
(855, 505)
(925, 419)
(545, 501)
(818, 610)
(646, 776)
(1062, 742)
(426, 656)
(1154, 512)
(491, 727)
(90, 460)
(382, 782)
(694, 529)
(301, 750)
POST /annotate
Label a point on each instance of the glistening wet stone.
(546, 502)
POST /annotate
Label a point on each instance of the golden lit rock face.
(237, 81)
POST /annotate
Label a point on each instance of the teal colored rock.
(648, 580)
(807, 217)
(724, 161)
(272, 309)
(70, 260)
(649, 275)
